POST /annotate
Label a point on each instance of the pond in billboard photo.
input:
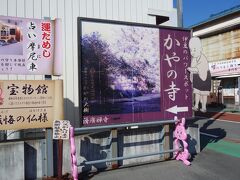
(120, 69)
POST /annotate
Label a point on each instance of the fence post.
(114, 148)
(49, 153)
(49, 142)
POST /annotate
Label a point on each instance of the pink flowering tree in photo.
(139, 49)
(120, 68)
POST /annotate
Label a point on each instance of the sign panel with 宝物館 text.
(30, 104)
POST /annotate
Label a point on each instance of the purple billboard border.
(165, 103)
(183, 96)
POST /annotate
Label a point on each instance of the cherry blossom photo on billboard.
(120, 69)
(11, 37)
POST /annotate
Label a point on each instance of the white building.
(141, 11)
(220, 36)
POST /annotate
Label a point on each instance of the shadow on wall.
(71, 113)
(30, 161)
(192, 137)
(99, 146)
(95, 147)
(127, 139)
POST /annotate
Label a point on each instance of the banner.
(132, 72)
(30, 104)
(30, 46)
(225, 67)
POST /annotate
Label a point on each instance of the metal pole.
(49, 152)
(180, 13)
(59, 161)
(114, 133)
(82, 129)
(131, 157)
(49, 140)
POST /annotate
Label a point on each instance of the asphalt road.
(208, 165)
(218, 128)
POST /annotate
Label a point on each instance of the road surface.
(208, 165)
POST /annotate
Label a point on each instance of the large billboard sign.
(28, 104)
(30, 46)
(132, 72)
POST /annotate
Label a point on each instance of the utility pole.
(180, 13)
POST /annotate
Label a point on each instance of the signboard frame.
(30, 46)
(30, 104)
(171, 111)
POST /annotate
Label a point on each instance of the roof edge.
(218, 16)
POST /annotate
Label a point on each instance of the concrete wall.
(12, 161)
(22, 160)
(193, 138)
(139, 141)
(25, 160)
(34, 159)
(128, 142)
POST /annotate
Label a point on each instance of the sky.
(195, 11)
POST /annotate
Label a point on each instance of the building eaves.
(217, 16)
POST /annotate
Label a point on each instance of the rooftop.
(218, 15)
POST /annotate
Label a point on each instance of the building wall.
(222, 46)
(68, 11)
(221, 42)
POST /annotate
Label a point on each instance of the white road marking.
(223, 120)
(226, 120)
(210, 135)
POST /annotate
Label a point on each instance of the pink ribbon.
(73, 154)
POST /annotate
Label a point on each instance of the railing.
(90, 129)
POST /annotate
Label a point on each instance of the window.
(12, 32)
(3, 33)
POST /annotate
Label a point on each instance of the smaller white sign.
(225, 67)
(61, 129)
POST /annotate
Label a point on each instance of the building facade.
(220, 36)
(141, 11)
